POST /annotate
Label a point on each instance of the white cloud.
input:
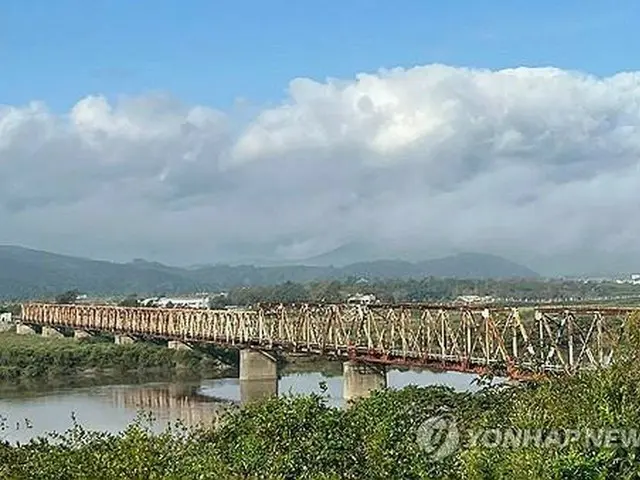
(531, 163)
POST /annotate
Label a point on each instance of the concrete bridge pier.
(80, 334)
(124, 340)
(360, 379)
(258, 375)
(51, 332)
(177, 345)
(23, 329)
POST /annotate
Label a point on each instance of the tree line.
(430, 289)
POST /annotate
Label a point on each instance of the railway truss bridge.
(510, 341)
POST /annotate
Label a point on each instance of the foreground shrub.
(377, 438)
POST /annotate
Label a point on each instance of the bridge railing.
(531, 339)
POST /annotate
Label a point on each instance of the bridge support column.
(80, 334)
(51, 332)
(258, 376)
(124, 340)
(177, 345)
(22, 329)
(361, 379)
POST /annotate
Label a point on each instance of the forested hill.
(26, 273)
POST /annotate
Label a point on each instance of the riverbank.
(24, 358)
(381, 437)
(583, 426)
(28, 357)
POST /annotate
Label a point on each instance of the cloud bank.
(533, 164)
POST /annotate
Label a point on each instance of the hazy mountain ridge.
(26, 273)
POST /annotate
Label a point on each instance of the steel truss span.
(505, 340)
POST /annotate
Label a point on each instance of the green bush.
(301, 437)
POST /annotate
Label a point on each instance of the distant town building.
(474, 299)
(634, 279)
(179, 302)
(362, 299)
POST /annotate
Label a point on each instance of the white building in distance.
(474, 299)
(634, 279)
(362, 299)
(177, 302)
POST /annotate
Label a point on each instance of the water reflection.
(170, 403)
(113, 407)
(255, 390)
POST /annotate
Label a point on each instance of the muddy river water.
(28, 413)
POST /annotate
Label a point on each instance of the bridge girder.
(506, 340)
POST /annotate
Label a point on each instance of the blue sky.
(214, 52)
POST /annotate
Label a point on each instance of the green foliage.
(13, 308)
(434, 290)
(302, 437)
(24, 357)
(136, 453)
(68, 297)
(130, 301)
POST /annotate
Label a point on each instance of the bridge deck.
(469, 338)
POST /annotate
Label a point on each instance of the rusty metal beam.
(506, 340)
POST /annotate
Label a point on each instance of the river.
(33, 412)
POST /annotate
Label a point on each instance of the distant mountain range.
(26, 273)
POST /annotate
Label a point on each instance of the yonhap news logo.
(439, 437)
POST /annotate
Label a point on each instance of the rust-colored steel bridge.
(506, 340)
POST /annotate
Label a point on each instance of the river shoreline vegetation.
(30, 357)
(302, 437)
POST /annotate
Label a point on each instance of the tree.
(218, 302)
(330, 292)
(130, 301)
(289, 292)
(70, 296)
